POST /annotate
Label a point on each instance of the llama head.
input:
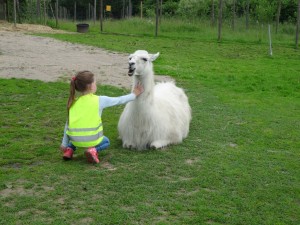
(140, 62)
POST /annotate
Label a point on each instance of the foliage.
(260, 10)
(193, 8)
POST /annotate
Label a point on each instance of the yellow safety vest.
(85, 126)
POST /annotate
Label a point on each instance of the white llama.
(160, 116)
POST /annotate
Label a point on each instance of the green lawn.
(239, 165)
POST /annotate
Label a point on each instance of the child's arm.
(65, 140)
(106, 101)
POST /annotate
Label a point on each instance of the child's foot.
(68, 154)
(92, 155)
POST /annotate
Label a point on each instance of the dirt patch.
(27, 56)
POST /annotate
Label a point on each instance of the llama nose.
(131, 64)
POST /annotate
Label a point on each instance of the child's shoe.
(92, 155)
(68, 153)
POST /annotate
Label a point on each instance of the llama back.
(169, 97)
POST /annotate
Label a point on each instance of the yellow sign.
(108, 8)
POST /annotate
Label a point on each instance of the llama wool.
(160, 116)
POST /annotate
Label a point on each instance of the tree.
(298, 24)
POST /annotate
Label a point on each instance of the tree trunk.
(101, 15)
(247, 14)
(45, 12)
(233, 15)
(141, 9)
(278, 14)
(212, 13)
(75, 6)
(56, 13)
(15, 13)
(298, 24)
(220, 19)
(38, 9)
(130, 9)
(123, 10)
(157, 15)
(95, 16)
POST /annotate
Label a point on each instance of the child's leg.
(103, 144)
(92, 153)
(68, 153)
(70, 145)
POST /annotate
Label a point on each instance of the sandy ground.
(27, 56)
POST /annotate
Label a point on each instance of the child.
(84, 126)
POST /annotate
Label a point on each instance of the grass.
(239, 165)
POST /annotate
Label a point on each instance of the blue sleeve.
(65, 140)
(106, 101)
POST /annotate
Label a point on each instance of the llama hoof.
(158, 144)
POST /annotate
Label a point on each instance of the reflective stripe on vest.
(85, 126)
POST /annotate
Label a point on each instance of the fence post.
(56, 13)
(101, 15)
(298, 24)
(270, 40)
(156, 24)
(15, 12)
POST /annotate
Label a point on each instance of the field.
(239, 165)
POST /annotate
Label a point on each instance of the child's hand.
(138, 89)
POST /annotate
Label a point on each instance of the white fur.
(160, 116)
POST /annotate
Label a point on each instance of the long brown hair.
(79, 83)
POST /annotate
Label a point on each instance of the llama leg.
(159, 144)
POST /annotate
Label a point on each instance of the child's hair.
(79, 83)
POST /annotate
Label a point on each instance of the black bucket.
(82, 27)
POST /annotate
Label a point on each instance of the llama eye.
(145, 59)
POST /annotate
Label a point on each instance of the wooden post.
(129, 9)
(56, 13)
(278, 14)
(101, 15)
(89, 11)
(141, 9)
(298, 24)
(212, 13)
(75, 12)
(38, 9)
(45, 6)
(220, 20)
(247, 14)
(15, 13)
(156, 24)
(233, 15)
(123, 10)
(160, 12)
(4, 11)
(95, 11)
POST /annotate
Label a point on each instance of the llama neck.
(148, 83)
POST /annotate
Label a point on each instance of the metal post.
(270, 40)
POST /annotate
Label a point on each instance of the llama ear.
(154, 57)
